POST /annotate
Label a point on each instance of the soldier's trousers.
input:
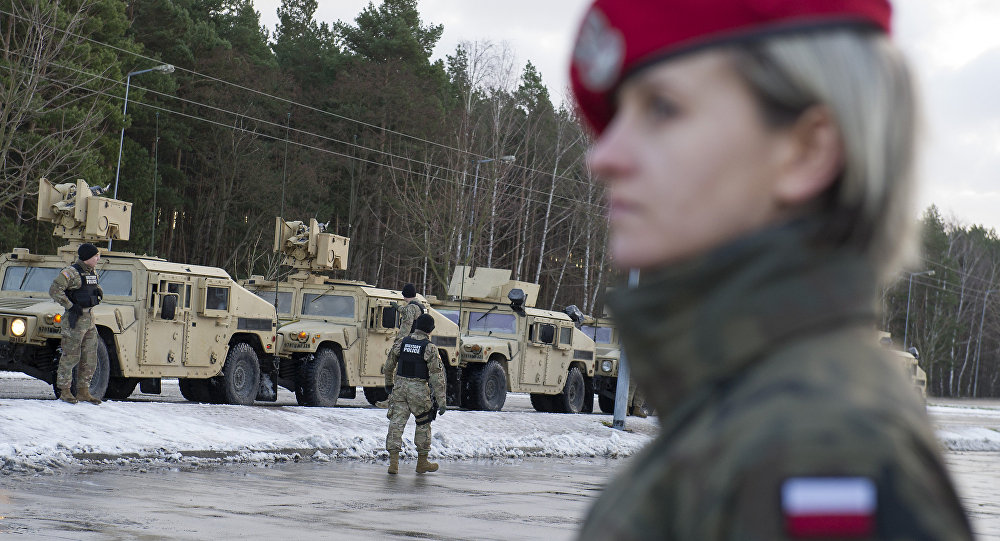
(410, 396)
(79, 346)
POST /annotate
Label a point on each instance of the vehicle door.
(168, 319)
(560, 353)
(210, 324)
(381, 331)
(541, 336)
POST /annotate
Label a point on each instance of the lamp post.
(165, 68)
(475, 188)
(979, 343)
(906, 324)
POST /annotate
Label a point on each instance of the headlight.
(474, 348)
(17, 327)
(606, 365)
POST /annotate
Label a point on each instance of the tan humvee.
(908, 361)
(336, 333)
(607, 354)
(158, 319)
(509, 345)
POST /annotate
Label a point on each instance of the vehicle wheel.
(607, 404)
(319, 380)
(571, 399)
(196, 390)
(376, 394)
(488, 387)
(120, 388)
(240, 377)
(102, 372)
(541, 402)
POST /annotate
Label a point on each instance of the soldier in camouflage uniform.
(409, 312)
(756, 156)
(415, 374)
(75, 289)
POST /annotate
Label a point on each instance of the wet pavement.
(542, 499)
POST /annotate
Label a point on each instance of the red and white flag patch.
(829, 507)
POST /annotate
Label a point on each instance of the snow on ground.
(39, 434)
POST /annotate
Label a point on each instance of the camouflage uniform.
(79, 344)
(412, 396)
(408, 313)
(762, 361)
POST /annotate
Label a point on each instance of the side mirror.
(574, 313)
(389, 317)
(168, 307)
(517, 299)
(913, 351)
(547, 334)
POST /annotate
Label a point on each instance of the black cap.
(425, 322)
(409, 291)
(86, 251)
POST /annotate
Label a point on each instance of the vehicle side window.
(566, 336)
(217, 298)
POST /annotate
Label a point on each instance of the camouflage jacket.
(435, 368)
(762, 360)
(408, 313)
(67, 279)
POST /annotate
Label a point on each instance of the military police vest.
(88, 294)
(411, 359)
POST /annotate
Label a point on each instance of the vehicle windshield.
(492, 322)
(115, 282)
(29, 279)
(601, 335)
(450, 314)
(315, 304)
(284, 299)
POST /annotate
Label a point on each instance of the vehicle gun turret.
(490, 285)
(310, 247)
(81, 214)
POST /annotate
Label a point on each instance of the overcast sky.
(954, 46)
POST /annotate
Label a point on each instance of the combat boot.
(423, 465)
(394, 462)
(83, 393)
(66, 395)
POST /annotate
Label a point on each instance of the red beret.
(619, 37)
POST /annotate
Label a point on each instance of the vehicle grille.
(583, 355)
(19, 303)
(444, 341)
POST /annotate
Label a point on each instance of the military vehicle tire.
(120, 388)
(240, 377)
(488, 387)
(376, 394)
(572, 398)
(99, 381)
(541, 402)
(607, 404)
(196, 390)
(319, 380)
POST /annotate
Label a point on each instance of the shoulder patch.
(829, 507)
(65, 273)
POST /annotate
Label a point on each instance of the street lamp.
(475, 188)
(906, 324)
(165, 68)
(979, 343)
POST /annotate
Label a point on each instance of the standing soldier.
(409, 312)
(419, 390)
(76, 289)
(756, 156)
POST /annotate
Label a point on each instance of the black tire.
(488, 387)
(240, 378)
(541, 402)
(376, 394)
(572, 398)
(606, 404)
(196, 390)
(319, 380)
(102, 372)
(120, 388)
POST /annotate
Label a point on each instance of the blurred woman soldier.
(757, 158)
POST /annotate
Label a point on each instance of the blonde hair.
(862, 78)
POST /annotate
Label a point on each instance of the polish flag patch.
(825, 507)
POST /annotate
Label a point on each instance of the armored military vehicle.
(908, 361)
(158, 319)
(336, 333)
(509, 345)
(607, 354)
